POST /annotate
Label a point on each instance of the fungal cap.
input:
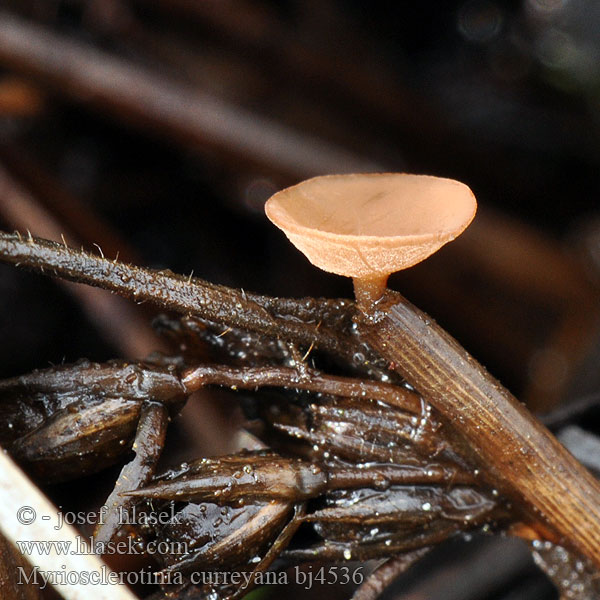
(367, 226)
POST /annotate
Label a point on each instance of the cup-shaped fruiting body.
(367, 226)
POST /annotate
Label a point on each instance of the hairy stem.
(187, 295)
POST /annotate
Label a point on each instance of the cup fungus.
(368, 226)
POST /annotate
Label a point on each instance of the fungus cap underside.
(366, 225)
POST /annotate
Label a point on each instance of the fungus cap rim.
(274, 211)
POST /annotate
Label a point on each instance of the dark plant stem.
(382, 476)
(338, 551)
(305, 379)
(518, 454)
(384, 575)
(148, 445)
(190, 295)
(282, 541)
(141, 97)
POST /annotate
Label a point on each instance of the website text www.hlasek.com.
(83, 545)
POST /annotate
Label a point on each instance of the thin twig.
(307, 379)
(570, 411)
(170, 291)
(276, 548)
(384, 575)
(199, 120)
(148, 445)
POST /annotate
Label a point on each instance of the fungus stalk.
(369, 226)
(367, 290)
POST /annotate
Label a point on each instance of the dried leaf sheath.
(517, 452)
(69, 420)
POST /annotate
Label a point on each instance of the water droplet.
(358, 357)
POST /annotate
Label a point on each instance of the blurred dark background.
(158, 128)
